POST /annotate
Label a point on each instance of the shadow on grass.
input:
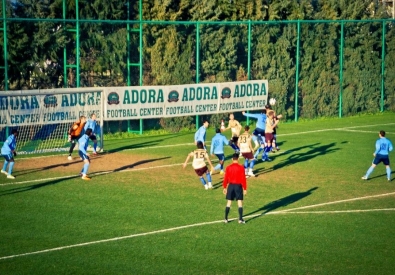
(138, 163)
(65, 164)
(142, 144)
(33, 187)
(281, 203)
(316, 150)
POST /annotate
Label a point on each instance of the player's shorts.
(201, 171)
(92, 137)
(221, 157)
(234, 192)
(9, 157)
(381, 158)
(248, 155)
(269, 137)
(74, 139)
(83, 156)
(259, 131)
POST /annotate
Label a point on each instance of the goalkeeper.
(8, 152)
(75, 134)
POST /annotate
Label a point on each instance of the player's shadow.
(142, 144)
(316, 150)
(280, 203)
(32, 187)
(29, 171)
(133, 165)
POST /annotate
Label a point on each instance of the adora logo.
(50, 101)
(226, 93)
(113, 98)
(173, 96)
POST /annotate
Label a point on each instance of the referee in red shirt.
(235, 186)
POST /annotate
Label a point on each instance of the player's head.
(235, 156)
(268, 107)
(14, 132)
(382, 133)
(93, 116)
(82, 118)
(270, 113)
(218, 130)
(231, 116)
(246, 128)
(88, 132)
(199, 145)
(205, 123)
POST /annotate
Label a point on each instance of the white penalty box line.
(287, 211)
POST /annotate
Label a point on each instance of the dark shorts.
(260, 134)
(234, 139)
(269, 137)
(248, 155)
(93, 137)
(221, 157)
(200, 172)
(9, 157)
(83, 156)
(235, 191)
(381, 158)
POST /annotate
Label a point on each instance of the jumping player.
(75, 134)
(199, 155)
(235, 127)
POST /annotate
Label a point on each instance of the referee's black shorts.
(234, 192)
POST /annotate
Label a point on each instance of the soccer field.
(306, 212)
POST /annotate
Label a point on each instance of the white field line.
(336, 211)
(288, 211)
(94, 174)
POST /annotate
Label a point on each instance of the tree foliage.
(39, 50)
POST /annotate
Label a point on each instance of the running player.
(199, 155)
(200, 134)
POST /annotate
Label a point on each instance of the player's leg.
(208, 176)
(72, 146)
(386, 162)
(251, 167)
(4, 169)
(94, 139)
(370, 170)
(85, 167)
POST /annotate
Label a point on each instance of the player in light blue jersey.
(200, 134)
(259, 132)
(217, 148)
(82, 147)
(91, 124)
(8, 152)
(383, 147)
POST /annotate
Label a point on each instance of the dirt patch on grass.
(105, 162)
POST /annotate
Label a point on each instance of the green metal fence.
(314, 68)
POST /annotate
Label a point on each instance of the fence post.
(297, 70)
(341, 68)
(382, 68)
